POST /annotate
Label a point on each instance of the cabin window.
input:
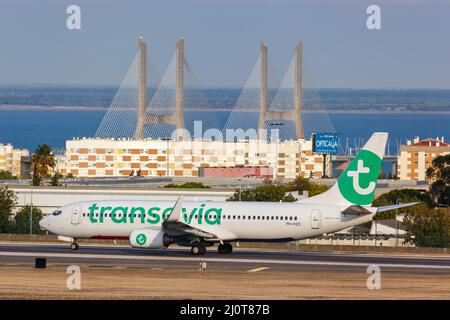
(281, 218)
(243, 217)
(259, 217)
(239, 217)
(234, 217)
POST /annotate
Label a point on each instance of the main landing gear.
(225, 248)
(74, 246)
(198, 249)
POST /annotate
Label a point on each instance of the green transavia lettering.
(153, 215)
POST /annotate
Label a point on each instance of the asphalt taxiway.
(240, 259)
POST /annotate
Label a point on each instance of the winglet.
(175, 215)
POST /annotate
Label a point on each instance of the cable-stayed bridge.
(178, 100)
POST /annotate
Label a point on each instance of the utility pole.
(239, 179)
(31, 206)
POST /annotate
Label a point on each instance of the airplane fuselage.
(253, 221)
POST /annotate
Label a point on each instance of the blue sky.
(412, 50)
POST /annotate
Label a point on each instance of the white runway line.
(258, 269)
(222, 260)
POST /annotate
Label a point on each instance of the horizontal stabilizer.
(395, 206)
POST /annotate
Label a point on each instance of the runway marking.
(258, 269)
(222, 260)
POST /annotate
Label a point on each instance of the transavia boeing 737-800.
(197, 224)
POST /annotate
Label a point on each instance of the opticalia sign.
(325, 143)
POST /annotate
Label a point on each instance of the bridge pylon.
(145, 117)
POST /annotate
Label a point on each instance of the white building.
(417, 156)
(11, 159)
(92, 157)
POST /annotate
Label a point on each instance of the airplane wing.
(395, 206)
(174, 226)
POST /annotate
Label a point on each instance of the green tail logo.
(357, 183)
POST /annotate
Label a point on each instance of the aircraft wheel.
(198, 250)
(74, 246)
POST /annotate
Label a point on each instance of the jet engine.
(150, 239)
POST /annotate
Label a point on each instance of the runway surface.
(240, 259)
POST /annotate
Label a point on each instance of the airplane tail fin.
(356, 185)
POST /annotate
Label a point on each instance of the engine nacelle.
(148, 238)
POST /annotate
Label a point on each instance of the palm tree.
(42, 160)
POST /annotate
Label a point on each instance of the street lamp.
(239, 179)
(31, 205)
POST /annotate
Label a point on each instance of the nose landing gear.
(74, 246)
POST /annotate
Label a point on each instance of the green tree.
(316, 188)
(439, 173)
(427, 227)
(265, 192)
(6, 175)
(42, 160)
(8, 200)
(400, 196)
(302, 184)
(55, 179)
(188, 185)
(22, 220)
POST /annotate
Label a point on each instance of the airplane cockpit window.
(56, 212)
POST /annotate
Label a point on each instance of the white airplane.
(158, 224)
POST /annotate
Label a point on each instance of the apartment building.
(11, 159)
(417, 155)
(91, 157)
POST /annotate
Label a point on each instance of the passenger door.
(316, 218)
(76, 215)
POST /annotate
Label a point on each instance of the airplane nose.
(44, 223)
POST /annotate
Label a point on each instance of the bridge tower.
(142, 89)
(144, 117)
(294, 115)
